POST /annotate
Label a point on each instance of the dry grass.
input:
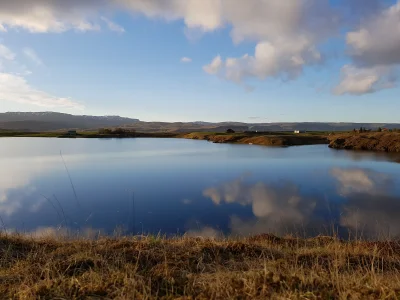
(261, 267)
(373, 141)
(272, 139)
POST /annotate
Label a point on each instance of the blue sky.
(323, 69)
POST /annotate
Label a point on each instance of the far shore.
(253, 138)
(370, 141)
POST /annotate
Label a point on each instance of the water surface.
(176, 186)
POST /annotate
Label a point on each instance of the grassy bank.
(260, 267)
(264, 139)
(371, 141)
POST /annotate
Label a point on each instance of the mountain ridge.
(53, 121)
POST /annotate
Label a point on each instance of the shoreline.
(371, 141)
(152, 267)
(281, 139)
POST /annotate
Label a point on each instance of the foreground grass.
(260, 267)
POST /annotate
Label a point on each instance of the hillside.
(51, 121)
(270, 139)
(47, 121)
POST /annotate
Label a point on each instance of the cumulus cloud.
(186, 59)
(32, 55)
(287, 34)
(375, 50)
(377, 41)
(359, 81)
(15, 88)
(281, 58)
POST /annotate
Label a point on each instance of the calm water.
(175, 186)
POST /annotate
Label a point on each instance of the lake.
(176, 186)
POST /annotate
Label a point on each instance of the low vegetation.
(148, 267)
(262, 138)
(372, 141)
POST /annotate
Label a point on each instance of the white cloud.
(375, 50)
(359, 81)
(16, 88)
(32, 55)
(113, 26)
(186, 59)
(49, 15)
(287, 34)
(282, 58)
(6, 53)
(377, 41)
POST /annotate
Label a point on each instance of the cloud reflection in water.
(368, 206)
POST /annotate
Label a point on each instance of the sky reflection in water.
(195, 187)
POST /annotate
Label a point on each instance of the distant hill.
(48, 121)
(52, 121)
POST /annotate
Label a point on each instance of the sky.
(203, 60)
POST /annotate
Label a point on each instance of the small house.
(299, 131)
